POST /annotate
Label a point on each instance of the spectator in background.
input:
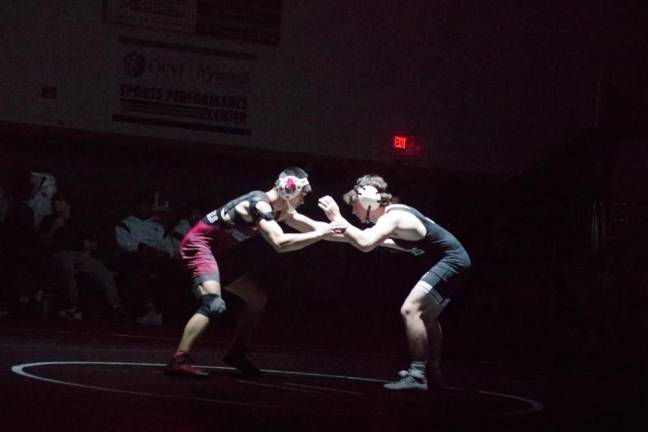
(5, 202)
(189, 216)
(143, 253)
(72, 243)
(43, 189)
(175, 304)
(18, 254)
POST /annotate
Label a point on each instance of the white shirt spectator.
(132, 231)
(174, 238)
(41, 200)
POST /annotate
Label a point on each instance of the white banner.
(184, 87)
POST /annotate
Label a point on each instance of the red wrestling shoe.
(182, 365)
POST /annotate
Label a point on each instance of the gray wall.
(488, 88)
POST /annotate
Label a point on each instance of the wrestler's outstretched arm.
(287, 242)
(367, 239)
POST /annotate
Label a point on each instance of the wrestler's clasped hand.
(338, 227)
(329, 207)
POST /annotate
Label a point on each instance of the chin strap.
(367, 220)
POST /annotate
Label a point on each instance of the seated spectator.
(190, 214)
(5, 202)
(144, 253)
(177, 304)
(43, 189)
(18, 254)
(74, 247)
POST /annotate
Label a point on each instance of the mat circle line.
(534, 406)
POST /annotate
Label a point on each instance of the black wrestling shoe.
(435, 378)
(119, 315)
(240, 361)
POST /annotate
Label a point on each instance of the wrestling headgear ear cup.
(290, 186)
(368, 197)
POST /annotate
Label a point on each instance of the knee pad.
(212, 306)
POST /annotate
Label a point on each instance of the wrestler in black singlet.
(438, 245)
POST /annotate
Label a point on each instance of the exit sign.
(406, 145)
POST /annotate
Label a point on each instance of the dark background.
(540, 112)
(543, 290)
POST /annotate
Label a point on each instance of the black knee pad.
(211, 305)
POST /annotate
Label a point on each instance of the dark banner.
(254, 21)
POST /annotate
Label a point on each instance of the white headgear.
(290, 186)
(368, 197)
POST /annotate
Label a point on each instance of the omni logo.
(134, 64)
